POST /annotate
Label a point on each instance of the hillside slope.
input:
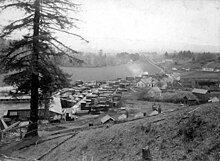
(192, 133)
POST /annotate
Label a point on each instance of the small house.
(141, 84)
(147, 82)
(201, 94)
(144, 74)
(214, 99)
(107, 119)
(138, 115)
(154, 113)
(190, 100)
(208, 69)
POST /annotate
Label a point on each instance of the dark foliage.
(29, 59)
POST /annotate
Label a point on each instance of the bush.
(141, 93)
(191, 129)
(177, 97)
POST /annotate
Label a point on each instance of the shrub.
(191, 129)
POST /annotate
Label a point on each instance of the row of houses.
(91, 96)
(200, 83)
(94, 99)
(191, 79)
(158, 80)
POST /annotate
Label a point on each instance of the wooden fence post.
(20, 133)
(146, 155)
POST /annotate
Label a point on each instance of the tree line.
(199, 57)
(99, 59)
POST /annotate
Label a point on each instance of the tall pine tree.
(29, 58)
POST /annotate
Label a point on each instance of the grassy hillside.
(190, 134)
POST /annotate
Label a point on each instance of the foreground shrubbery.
(200, 133)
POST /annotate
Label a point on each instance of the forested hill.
(192, 60)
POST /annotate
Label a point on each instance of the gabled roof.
(106, 118)
(214, 99)
(140, 114)
(200, 91)
(55, 106)
(154, 113)
(147, 80)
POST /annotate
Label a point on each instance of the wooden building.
(201, 80)
(18, 108)
(201, 94)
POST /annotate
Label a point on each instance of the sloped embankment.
(183, 135)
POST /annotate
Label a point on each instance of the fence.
(14, 133)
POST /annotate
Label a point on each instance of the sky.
(147, 25)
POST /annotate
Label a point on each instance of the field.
(110, 72)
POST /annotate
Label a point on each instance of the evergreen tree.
(30, 57)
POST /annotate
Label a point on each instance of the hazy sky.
(148, 25)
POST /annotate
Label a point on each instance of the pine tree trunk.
(33, 126)
(46, 106)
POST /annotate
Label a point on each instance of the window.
(13, 113)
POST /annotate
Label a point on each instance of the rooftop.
(200, 91)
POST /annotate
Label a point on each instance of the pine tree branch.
(65, 53)
(14, 77)
(8, 60)
(61, 20)
(12, 27)
(19, 54)
(15, 46)
(57, 12)
(74, 51)
(66, 5)
(19, 20)
(17, 5)
(70, 33)
(57, 47)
